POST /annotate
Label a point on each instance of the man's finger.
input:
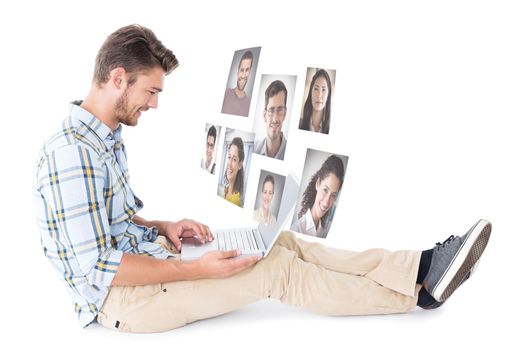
(209, 234)
(176, 242)
(189, 233)
(206, 233)
(226, 254)
(242, 263)
(198, 230)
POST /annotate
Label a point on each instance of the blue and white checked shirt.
(84, 206)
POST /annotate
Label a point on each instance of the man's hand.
(174, 231)
(219, 264)
(135, 270)
(139, 270)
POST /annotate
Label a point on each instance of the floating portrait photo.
(236, 158)
(239, 87)
(268, 200)
(273, 114)
(211, 147)
(321, 183)
(317, 101)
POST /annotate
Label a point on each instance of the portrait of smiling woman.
(268, 200)
(238, 148)
(235, 172)
(321, 183)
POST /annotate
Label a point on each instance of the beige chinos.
(308, 275)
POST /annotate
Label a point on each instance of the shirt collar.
(320, 125)
(92, 122)
(283, 140)
(311, 224)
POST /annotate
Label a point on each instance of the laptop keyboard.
(242, 239)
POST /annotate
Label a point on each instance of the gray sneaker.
(437, 304)
(454, 260)
(469, 274)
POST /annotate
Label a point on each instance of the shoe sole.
(437, 304)
(464, 261)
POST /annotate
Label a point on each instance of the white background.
(429, 108)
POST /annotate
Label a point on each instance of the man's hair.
(248, 55)
(273, 89)
(212, 132)
(134, 48)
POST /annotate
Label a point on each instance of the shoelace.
(448, 240)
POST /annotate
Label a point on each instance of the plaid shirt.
(84, 206)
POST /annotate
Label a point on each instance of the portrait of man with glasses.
(208, 159)
(273, 142)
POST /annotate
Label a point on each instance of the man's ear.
(118, 78)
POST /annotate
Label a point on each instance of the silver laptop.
(251, 241)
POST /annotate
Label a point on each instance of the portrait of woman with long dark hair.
(319, 196)
(316, 110)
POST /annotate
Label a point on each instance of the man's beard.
(122, 111)
(239, 84)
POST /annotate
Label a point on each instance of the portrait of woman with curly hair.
(316, 208)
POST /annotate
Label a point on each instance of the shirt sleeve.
(74, 190)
